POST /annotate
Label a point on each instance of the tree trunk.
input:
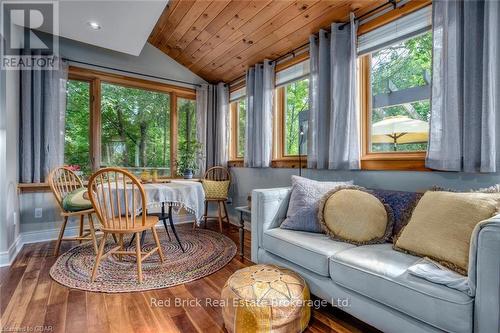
(142, 143)
(122, 134)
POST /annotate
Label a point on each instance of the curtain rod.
(393, 3)
(132, 72)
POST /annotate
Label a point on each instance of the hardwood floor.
(31, 302)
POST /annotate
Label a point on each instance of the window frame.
(234, 131)
(280, 160)
(408, 161)
(95, 78)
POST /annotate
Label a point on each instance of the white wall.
(9, 162)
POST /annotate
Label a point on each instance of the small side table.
(245, 212)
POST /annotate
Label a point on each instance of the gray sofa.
(371, 283)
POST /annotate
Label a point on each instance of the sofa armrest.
(269, 207)
(484, 275)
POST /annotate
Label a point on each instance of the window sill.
(375, 161)
(236, 163)
(44, 187)
(394, 162)
(290, 162)
(33, 187)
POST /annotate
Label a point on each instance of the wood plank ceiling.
(219, 39)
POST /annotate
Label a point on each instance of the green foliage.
(187, 157)
(401, 66)
(186, 122)
(135, 127)
(242, 115)
(296, 101)
(76, 138)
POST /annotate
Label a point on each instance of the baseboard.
(29, 237)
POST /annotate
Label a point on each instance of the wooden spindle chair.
(217, 173)
(63, 181)
(119, 198)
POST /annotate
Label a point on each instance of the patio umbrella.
(399, 130)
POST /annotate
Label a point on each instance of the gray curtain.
(42, 126)
(465, 118)
(212, 116)
(259, 118)
(333, 140)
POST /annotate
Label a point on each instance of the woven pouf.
(265, 298)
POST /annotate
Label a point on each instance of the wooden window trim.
(95, 79)
(234, 132)
(279, 133)
(414, 161)
(131, 82)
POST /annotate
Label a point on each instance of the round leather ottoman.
(265, 298)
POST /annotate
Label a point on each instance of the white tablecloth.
(178, 193)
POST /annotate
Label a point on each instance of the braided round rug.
(206, 252)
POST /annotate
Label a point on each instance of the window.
(238, 123)
(77, 127)
(112, 120)
(187, 144)
(135, 128)
(400, 96)
(395, 68)
(296, 108)
(186, 122)
(291, 112)
(395, 104)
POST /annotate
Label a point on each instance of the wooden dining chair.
(119, 201)
(216, 182)
(63, 181)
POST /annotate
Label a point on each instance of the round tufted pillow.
(354, 215)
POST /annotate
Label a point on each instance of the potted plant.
(187, 158)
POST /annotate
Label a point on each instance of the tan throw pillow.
(441, 226)
(351, 214)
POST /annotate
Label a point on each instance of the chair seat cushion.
(380, 273)
(307, 249)
(77, 200)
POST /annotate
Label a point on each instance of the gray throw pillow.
(302, 214)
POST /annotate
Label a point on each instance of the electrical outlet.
(38, 213)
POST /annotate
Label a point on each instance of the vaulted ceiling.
(219, 39)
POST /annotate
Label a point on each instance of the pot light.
(94, 25)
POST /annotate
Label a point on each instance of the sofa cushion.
(302, 214)
(442, 223)
(380, 273)
(342, 219)
(307, 249)
(402, 205)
